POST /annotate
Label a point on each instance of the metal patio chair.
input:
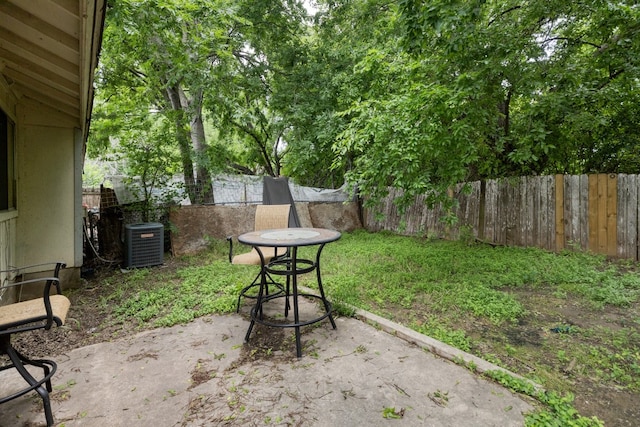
(275, 191)
(267, 217)
(19, 317)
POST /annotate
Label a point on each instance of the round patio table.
(290, 266)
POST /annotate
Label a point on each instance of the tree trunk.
(173, 96)
(504, 119)
(203, 178)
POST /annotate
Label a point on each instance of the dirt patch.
(556, 335)
(90, 319)
(201, 374)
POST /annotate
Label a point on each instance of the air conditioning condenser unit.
(144, 244)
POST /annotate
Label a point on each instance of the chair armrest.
(34, 268)
(230, 240)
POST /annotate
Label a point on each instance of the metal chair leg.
(42, 387)
(244, 291)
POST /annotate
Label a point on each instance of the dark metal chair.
(39, 313)
(275, 191)
(267, 217)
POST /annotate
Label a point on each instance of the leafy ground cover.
(568, 321)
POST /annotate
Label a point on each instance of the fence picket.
(571, 208)
(624, 196)
(491, 205)
(551, 213)
(611, 214)
(627, 216)
(582, 211)
(593, 216)
(559, 212)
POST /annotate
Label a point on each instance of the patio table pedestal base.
(292, 267)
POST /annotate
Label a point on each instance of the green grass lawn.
(568, 321)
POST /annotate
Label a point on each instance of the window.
(7, 182)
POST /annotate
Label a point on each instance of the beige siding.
(45, 195)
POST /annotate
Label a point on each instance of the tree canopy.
(409, 94)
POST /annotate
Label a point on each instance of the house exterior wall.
(8, 218)
(45, 225)
(50, 50)
(45, 195)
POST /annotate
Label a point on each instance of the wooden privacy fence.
(596, 212)
(91, 197)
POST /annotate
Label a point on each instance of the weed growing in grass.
(444, 288)
(481, 301)
(392, 269)
(146, 305)
(610, 358)
(435, 329)
(559, 410)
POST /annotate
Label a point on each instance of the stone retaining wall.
(192, 227)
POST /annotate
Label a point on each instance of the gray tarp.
(229, 189)
(248, 189)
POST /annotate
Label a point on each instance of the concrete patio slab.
(203, 374)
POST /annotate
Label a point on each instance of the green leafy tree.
(312, 88)
(139, 152)
(409, 94)
(559, 75)
(243, 106)
(463, 90)
(318, 83)
(164, 54)
(187, 60)
(149, 167)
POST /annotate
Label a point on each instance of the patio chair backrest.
(275, 191)
(272, 216)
